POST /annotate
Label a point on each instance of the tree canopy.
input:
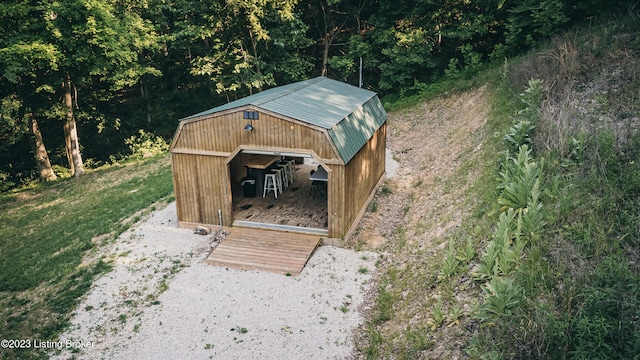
(93, 73)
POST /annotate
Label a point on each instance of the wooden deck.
(264, 250)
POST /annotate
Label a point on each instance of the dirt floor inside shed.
(296, 206)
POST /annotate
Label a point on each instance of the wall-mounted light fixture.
(250, 115)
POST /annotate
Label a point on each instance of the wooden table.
(258, 161)
(257, 165)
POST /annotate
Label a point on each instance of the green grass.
(48, 234)
(445, 85)
(575, 292)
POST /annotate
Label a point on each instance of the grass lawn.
(49, 235)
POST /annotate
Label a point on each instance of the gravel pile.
(161, 301)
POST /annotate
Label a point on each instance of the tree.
(332, 23)
(40, 152)
(58, 50)
(245, 44)
(531, 21)
(408, 42)
(14, 126)
(100, 42)
(22, 63)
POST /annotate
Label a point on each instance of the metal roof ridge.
(303, 84)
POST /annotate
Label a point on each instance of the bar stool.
(279, 176)
(291, 168)
(286, 171)
(270, 184)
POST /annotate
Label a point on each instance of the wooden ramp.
(265, 250)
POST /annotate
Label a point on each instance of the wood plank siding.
(225, 133)
(351, 185)
(207, 161)
(201, 186)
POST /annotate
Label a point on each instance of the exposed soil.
(428, 198)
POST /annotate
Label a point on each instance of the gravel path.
(161, 301)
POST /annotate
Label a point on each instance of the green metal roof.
(350, 114)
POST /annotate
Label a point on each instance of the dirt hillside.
(438, 145)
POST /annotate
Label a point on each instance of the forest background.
(85, 83)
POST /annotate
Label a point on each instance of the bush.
(145, 145)
(5, 182)
(61, 171)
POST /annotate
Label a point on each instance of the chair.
(279, 177)
(316, 186)
(270, 184)
(286, 177)
(292, 169)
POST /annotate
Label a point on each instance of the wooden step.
(264, 250)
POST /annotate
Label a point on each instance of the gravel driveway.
(161, 301)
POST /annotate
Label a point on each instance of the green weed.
(500, 296)
(467, 253)
(437, 316)
(450, 263)
(376, 340)
(384, 306)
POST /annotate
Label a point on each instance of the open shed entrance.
(302, 206)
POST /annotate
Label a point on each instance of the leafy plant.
(240, 329)
(449, 263)
(532, 96)
(500, 296)
(532, 219)
(484, 271)
(519, 134)
(467, 253)
(518, 178)
(146, 144)
(437, 316)
(455, 313)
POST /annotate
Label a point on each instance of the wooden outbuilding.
(337, 127)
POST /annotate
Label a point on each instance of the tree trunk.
(325, 53)
(326, 41)
(40, 153)
(331, 30)
(71, 133)
(67, 145)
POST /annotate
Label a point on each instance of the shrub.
(146, 144)
(5, 182)
(518, 179)
(500, 296)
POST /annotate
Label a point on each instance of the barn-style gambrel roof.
(350, 115)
